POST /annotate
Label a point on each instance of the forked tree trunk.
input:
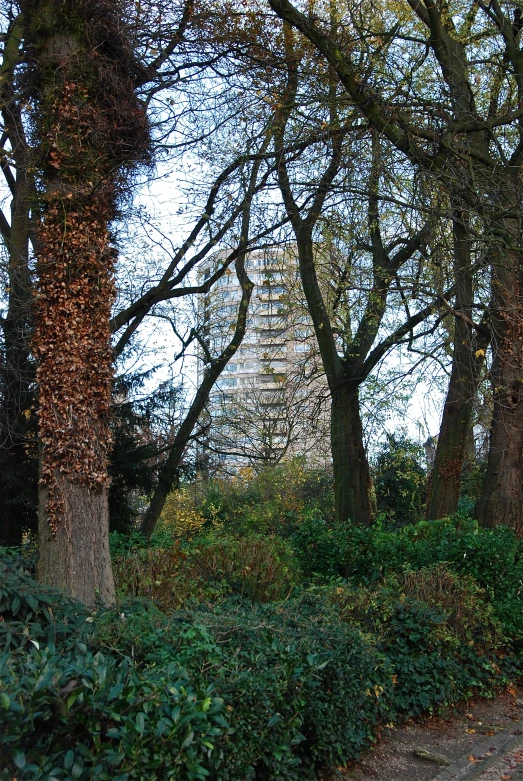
(349, 460)
(501, 502)
(445, 479)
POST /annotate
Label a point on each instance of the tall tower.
(270, 401)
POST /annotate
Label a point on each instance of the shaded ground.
(455, 734)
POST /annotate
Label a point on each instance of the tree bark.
(76, 558)
(90, 124)
(501, 502)
(352, 479)
(469, 351)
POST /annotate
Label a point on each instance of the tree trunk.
(350, 465)
(76, 558)
(90, 124)
(501, 502)
(18, 451)
(71, 342)
(445, 480)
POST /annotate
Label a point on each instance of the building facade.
(271, 401)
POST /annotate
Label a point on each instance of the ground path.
(463, 736)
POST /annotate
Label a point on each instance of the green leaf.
(73, 697)
(15, 605)
(68, 759)
(140, 722)
(19, 759)
(32, 602)
(5, 702)
(84, 751)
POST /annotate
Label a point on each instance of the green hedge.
(241, 692)
(493, 557)
(236, 691)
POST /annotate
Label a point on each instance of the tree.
(469, 347)
(349, 353)
(89, 58)
(90, 127)
(18, 446)
(460, 122)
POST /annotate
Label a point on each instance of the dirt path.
(456, 734)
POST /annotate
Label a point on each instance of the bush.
(180, 516)
(259, 568)
(237, 690)
(69, 711)
(91, 716)
(271, 501)
(437, 633)
(400, 481)
(337, 549)
(298, 685)
(364, 556)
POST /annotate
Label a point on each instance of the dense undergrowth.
(241, 650)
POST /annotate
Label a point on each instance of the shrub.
(259, 568)
(438, 635)
(235, 690)
(180, 516)
(492, 557)
(334, 549)
(298, 685)
(400, 480)
(271, 501)
(69, 711)
(90, 716)
(155, 573)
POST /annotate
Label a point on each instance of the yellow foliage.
(180, 514)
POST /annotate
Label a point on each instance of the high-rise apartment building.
(271, 399)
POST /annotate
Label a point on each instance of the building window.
(226, 382)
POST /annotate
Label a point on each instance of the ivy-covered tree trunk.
(89, 126)
(75, 292)
(350, 465)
